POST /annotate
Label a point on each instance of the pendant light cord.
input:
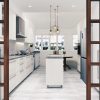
(50, 18)
(55, 11)
(57, 16)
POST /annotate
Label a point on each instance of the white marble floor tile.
(34, 88)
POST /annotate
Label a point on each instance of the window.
(45, 42)
(38, 42)
(49, 42)
(53, 42)
(61, 42)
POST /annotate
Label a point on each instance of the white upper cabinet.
(12, 25)
(28, 32)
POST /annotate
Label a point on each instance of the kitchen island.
(54, 71)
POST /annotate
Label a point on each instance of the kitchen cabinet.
(19, 69)
(54, 71)
(29, 64)
(28, 32)
(12, 25)
(37, 60)
(13, 69)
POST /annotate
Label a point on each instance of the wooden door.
(93, 48)
(4, 45)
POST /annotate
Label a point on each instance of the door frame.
(6, 49)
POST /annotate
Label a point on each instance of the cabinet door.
(37, 60)
(12, 67)
(12, 75)
(12, 25)
(28, 32)
(32, 63)
(21, 69)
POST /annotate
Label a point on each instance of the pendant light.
(54, 29)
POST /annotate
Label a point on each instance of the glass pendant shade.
(54, 29)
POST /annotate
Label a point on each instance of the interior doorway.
(92, 42)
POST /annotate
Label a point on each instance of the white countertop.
(54, 56)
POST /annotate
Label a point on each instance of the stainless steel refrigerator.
(83, 55)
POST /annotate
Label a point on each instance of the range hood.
(20, 27)
(20, 36)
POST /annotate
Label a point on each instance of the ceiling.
(66, 20)
(39, 12)
(43, 5)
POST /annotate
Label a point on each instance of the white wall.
(81, 26)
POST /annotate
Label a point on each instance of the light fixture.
(54, 29)
(73, 6)
(29, 6)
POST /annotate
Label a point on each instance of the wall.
(19, 44)
(14, 46)
(68, 44)
(81, 26)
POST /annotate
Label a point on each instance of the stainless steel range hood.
(20, 36)
(20, 27)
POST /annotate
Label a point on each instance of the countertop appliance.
(83, 55)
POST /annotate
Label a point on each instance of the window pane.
(53, 39)
(45, 42)
(95, 10)
(38, 42)
(95, 32)
(95, 77)
(1, 29)
(95, 53)
(61, 42)
(1, 93)
(1, 74)
(95, 94)
(53, 42)
(1, 10)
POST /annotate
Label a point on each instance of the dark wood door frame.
(6, 49)
(89, 42)
(89, 21)
(5, 22)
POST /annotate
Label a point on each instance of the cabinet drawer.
(12, 67)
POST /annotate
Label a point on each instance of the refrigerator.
(83, 54)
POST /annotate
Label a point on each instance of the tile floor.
(34, 88)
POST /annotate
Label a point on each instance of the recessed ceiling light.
(73, 6)
(29, 6)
